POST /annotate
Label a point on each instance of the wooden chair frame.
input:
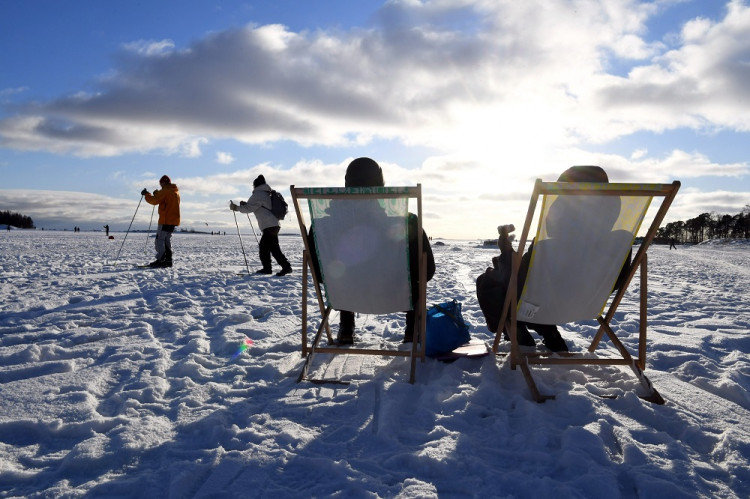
(309, 350)
(510, 307)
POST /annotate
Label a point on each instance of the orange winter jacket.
(168, 199)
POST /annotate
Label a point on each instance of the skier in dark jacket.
(365, 172)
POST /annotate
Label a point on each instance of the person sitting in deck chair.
(596, 237)
(354, 245)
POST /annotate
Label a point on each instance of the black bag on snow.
(491, 289)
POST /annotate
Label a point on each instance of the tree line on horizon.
(16, 220)
(708, 226)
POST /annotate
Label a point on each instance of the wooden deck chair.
(361, 238)
(584, 235)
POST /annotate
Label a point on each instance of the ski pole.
(253, 228)
(128, 231)
(145, 245)
(241, 245)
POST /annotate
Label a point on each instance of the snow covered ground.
(118, 381)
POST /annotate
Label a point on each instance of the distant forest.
(16, 220)
(708, 226)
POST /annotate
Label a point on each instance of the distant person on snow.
(106, 229)
(671, 244)
(168, 199)
(260, 204)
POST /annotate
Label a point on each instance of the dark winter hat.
(607, 209)
(165, 180)
(587, 173)
(363, 172)
(260, 180)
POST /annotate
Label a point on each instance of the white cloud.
(9, 92)
(638, 153)
(695, 30)
(691, 203)
(224, 158)
(634, 47)
(701, 84)
(522, 73)
(191, 147)
(464, 198)
(150, 48)
(63, 209)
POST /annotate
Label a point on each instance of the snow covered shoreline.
(117, 381)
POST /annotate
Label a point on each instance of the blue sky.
(473, 99)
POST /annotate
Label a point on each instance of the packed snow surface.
(118, 381)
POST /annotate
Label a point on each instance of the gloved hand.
(243, 203)
(233, 206)
(503, 242)
(144, 192)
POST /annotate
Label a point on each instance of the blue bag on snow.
(446, 328)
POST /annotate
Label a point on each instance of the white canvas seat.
(584, 235)
(361, 244)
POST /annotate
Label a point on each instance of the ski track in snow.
(117, 381)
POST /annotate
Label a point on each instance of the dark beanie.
(364, 172)
(260, 180)
(165, 180)
(585, 173)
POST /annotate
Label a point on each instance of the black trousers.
(269, 246)
(347, 322)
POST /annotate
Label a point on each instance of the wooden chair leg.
(532, 384)
(652, 396)
(643, 315)
(304, 303)
(413, 360)
(308, 361)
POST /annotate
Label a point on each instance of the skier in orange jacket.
(168, 199)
